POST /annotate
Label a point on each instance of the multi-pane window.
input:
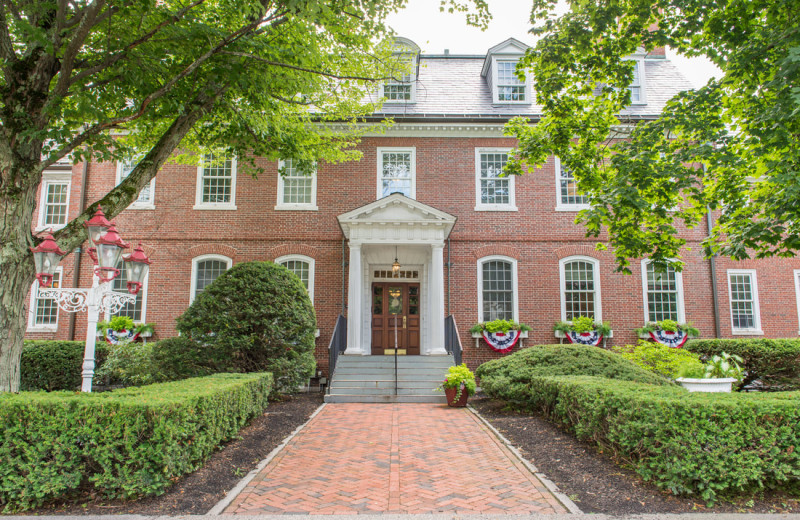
(497, 290)
(663, 294)
(135, 310)
(146, 195)
(579, 290)
(55, 204)
(205, 271)
(396, 172)
(296, 187)
(217, 180)
(493, 188)
(509, 86)
(636, 85)
(400, 86)
(44, 310)
(744, 300)
(303, 268)
(568, 188)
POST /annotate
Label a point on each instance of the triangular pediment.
(396, 209)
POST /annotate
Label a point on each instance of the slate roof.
(452, 88)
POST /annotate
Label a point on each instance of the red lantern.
(46, 257)
(136, 266)
(109, 251)
(97, 227)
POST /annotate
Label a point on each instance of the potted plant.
(458, 385)
(668, 332)
(500, 335)
(583, 331)
(717, 376)
(121, 329)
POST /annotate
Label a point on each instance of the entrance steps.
(371, 379)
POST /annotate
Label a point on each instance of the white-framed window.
(54, 201)
(497, 289)
(302, 267)
(137, 311)
(637, 86)
(663, 294)
(568, 198)
(796, 275)
(43, 312)
(297, 190)
(400, 87)
(580, 288)
(743, 297)
(216, 182)
(206, 269)
(493, 191)
(508, 88)
(397, 172)
(146, 199)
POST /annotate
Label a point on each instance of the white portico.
(414, 233)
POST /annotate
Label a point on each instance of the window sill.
(575, 208)
(747, 332)
(296, 207)
(504, 103)
(142, 205)
(498, 207)
(51, 227)
(522, 335)
(212, 207)
(560, 335)
(42, 328)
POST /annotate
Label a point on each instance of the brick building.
(426, 194)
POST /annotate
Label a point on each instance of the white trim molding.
(199, 204)
(34, 304)
(381, 150)
(560, 204)
(514, 284)
(486, 206)
(595, 263)
(281, 205)
(678, 289)
(195, 262)
(48, 179)
(139, 203)
(756, 329)
(301, 258)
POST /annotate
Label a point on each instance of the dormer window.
(637, 85)
(509, 86)
(500, 71)
(399, 87)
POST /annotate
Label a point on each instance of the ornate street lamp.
(106, 251)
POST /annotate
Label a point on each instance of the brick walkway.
(394, 458)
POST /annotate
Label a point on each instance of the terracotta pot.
(450, 394)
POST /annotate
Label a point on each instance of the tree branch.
(6, 47)
(73, 47)
(301, 69)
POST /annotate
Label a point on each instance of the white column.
(354, 291)
(436, 312)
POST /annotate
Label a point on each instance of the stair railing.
(452, 341)
(337, 345)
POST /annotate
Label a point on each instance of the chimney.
(447, 52)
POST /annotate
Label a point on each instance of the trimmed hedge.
(709, 445)
(120, 444)
(508, 376)
(774, 362)
(55, 365)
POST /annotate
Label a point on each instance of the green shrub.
(507, 377)
(659, 358)
(178, 358)
(119, 444)
(129, 363)
(774, 362)
(255, 317)
(55, 365)
(709, 445)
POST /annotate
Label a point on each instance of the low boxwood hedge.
(708, 445)
(775, 363)
(119, 444)
(55, 365)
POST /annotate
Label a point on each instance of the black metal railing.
(452, 341)
(337, 345)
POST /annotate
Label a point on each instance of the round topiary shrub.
(255, 317)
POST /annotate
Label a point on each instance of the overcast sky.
(422, 23)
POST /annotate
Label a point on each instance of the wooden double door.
(395, 306)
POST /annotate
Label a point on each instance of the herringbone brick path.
(394, 458)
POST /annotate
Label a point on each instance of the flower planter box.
(707, 385)
(478, 337)
(561, 336)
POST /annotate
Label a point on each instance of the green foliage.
(177, 358)
(583, 324)
(669, 326)
(461, 378)
(775, 363)
(498, 326)
(117, 324)
(128, 363)
(508, 377)
(644, 180)
(706, 445)
(55, 365)
(724, 365)
(692, 371)
(120, 444)
(255, 317)
(659, 358)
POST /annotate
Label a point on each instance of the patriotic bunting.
(592, 338)
(671, 339)
(501, 341)
(122, 336)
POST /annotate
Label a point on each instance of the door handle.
(404, 322)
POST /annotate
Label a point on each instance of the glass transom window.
(498, 290)
(743, 309)
(397, 174)
(662, 294)
(509, 86)
(494, 189)
(298, 185)
(217, 179)
(56, 201)
(579, 289)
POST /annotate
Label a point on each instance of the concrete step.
(385, 383)
(331, 398)
(437, 372)
(401, 363)
(347, 390)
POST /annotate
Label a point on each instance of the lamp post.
(105, 252)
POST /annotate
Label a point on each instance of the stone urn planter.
(450, 395)
(720, 384)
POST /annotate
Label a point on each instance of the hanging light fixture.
(395, 265)
(46, 257)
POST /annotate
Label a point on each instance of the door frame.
(387, 329)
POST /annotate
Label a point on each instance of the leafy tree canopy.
(732, 146)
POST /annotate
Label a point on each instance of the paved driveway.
(394, 458)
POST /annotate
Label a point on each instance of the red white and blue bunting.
(671, 339)
(592, 338)
(122, 336)
(501, 341)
